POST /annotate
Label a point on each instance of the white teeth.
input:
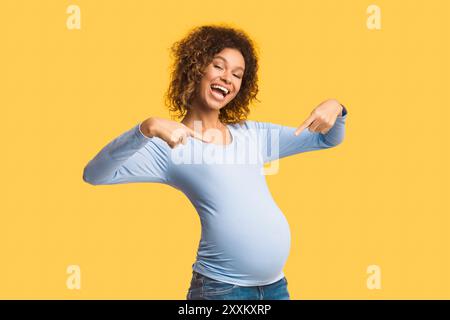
(225, 90)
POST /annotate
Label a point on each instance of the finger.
(323, 128)
(198, 135)
(180, 140)
(176, 135)
(313, 127)
(305, 124)
(184, 139)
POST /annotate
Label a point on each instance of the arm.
(279, 141)
(131, 157)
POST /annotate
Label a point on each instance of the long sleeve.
(131, 157)
(278, 141)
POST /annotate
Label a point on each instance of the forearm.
(104, 165)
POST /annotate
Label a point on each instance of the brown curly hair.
(195, 52)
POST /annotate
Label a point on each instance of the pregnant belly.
(247, 245)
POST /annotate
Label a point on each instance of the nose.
(227, 78)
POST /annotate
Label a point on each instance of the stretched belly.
(249, 244)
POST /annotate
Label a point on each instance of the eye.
(218, 67)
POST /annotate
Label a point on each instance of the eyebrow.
(220, 57)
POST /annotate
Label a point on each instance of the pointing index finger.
(198, 135)
(304, 125)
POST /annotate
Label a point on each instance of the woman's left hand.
(322, 118)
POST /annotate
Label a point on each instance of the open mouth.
(219, 92)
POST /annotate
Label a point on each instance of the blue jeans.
(204, 288)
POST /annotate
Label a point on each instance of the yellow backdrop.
(76, 74)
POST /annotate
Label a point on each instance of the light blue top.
(245, 237)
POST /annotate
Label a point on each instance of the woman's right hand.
(170, 131)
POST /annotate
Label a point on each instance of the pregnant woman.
(216, 157)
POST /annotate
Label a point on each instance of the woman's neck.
(208, 119)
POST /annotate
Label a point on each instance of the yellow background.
(381, 197)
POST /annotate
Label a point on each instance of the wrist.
(147, 127)
(340, 107)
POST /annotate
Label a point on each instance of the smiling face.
(221, 80)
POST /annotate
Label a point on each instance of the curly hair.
(194, 53)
